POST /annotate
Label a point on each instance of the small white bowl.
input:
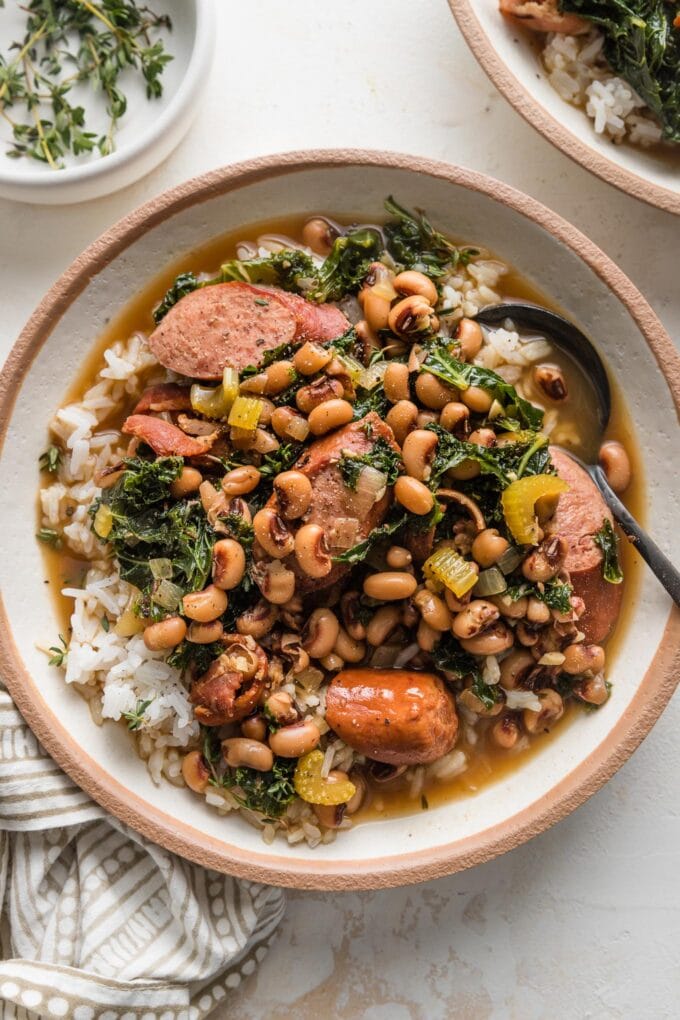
(149, 131)
(511, 62)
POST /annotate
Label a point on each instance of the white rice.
(579, 72)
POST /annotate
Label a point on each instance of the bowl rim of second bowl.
(534, 113)
(184, 95)
(269, 867)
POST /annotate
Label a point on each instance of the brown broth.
(486, 763)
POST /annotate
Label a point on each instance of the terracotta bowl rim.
(560, 136)
(657, 685)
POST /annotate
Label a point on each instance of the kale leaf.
(451, 452)
(183, 285)
(642, 44)
(449, 657)
(459, 374)
(606, 539)
(414, 243)
(269, 793)
(345, 268)
(147, 524)
(383, 457)
(556, 594)
(288, 269)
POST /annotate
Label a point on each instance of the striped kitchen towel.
(99, 924)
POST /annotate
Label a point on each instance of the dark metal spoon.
(572, 341)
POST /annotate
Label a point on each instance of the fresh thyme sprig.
(67, 42)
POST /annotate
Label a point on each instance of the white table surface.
(584, 921)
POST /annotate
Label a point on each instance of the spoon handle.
(648, 549)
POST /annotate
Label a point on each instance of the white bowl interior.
(513, 49)
(350, 190)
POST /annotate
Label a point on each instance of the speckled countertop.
(583, 922)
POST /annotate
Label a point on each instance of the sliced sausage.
(165, 439)
(164, 397)
(396, 716)
(579, 514)
(333, 499)
(234, 324)
(314, 322)
(544, 16)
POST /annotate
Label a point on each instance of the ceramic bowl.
(511, 61)
(561, 262)
(149, 131)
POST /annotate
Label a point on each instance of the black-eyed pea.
(418, 453)
(241, 480)
(582, 658)
(242, 752)
(273, 534)
(187, 483)
(402, 418)
(453, 415)
(398, 558)
(255, 728)
(433, 610)
(205, 633)
(411, 282)
(390, 585)
(294, 494)
(205, 606)
(228, 564)
(166, 633)
(330, 415)
(396, 382)
(320, 633)
(477, 399)
(312, 552)
(296, 740)
(615, 463)
(551, 711)
(483, 437)
(432, 392)
(488, 547)
(318, 235)
(195, 771)
(384, 620)
(475, 618)
(311, 358)
(413, 495)
(347, 648)
(537, 611)
(279, 376)
(505, 732)
(259, 620)
(496, 639)
(515, 667)
(470, 337)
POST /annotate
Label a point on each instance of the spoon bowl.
(570, 339)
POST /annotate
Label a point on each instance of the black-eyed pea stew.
(358, 507)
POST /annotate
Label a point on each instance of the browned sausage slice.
(234, 324)
(396, 716)
(165, 439)
(164, 397)
(579, 514)
(332, 499)
(544, 16)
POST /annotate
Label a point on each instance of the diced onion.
(103, 521)
(354, 368)
(298, 428)
(495, 410)
(342, 534)
(245, 413)
(510, 560)
(167, 595)
(311, 787)
(491, 582)
(161, 568)
(128, 624)
(519, 500)
(371, 376)
(450, 569)
(372, 482)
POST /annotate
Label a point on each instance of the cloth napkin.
(99, 924)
